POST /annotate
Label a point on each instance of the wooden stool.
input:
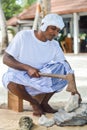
(15, 103)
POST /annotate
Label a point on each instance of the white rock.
(44, 121)
(82, 110)
(72, 103)
(62, 116)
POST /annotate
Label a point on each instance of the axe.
(53, 75)
(71, 82)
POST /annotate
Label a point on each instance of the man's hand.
(72, 86)
(80, 99)
(33, 72)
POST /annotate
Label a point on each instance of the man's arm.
(13, 63)
(72, 83)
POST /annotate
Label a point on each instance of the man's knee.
(14, 85)
(11, 85)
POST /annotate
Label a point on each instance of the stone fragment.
(76, 118)
(72, 103)
(63, 116)
(44, 121)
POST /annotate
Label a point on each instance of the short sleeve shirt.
(27, 49)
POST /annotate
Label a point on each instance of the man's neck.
(40, 35)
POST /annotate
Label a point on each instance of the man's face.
(51, 32)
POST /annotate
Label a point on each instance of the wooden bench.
(15, 103)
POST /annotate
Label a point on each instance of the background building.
(74, 14)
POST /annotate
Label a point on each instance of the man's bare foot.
(37, 110)
(47, 108)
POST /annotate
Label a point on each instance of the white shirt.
(46, 56)
(27, 49)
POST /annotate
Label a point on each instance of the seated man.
(31, 52)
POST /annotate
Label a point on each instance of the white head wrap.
(52, 19)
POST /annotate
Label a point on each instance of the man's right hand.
(33, 72)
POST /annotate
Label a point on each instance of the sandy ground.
(10, 121)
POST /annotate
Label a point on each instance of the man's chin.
(50, 38)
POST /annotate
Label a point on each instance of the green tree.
(31, 1)
(3, 29)
(14, 7)
(10, 8)
(26, 3)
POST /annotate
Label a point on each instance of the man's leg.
(39, 97)
(43, 100)
(20, 91)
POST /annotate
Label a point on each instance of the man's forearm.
(12, 62)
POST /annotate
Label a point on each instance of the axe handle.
(53, 75)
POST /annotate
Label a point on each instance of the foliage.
(31, 1)
(12, 31)
(82, 36)
(60, 37)
(10, 8)
(27, 3)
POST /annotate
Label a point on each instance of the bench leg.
(15, 103)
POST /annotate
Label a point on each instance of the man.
(32, 52)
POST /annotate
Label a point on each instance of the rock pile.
(77, 117)
(72, 114)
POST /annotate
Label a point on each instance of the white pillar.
(76, 29)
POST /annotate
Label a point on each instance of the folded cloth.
(36, 86)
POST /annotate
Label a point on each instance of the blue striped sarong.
(40, 85)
